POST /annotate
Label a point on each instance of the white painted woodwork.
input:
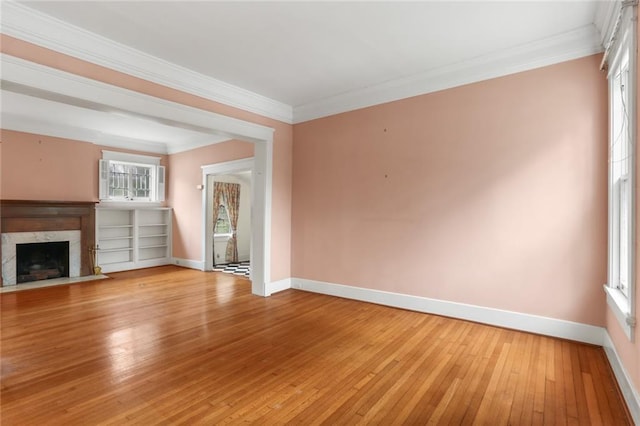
(132, 238)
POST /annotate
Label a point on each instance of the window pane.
(130, 181)
(141, 181)
(620, 162)
(222, 225)
(118, 180)
(624, 235)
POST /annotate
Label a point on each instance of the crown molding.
(35, 27)
(564, 47)
(605, 19)
(27, 24)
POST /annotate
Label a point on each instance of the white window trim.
(621, 309)
(143, 160)
(130, 158)
(623, 306)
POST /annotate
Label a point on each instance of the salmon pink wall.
(282, 142)
(37, 167)
(184, 174)
(491, 194)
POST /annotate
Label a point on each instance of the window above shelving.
(130, 177)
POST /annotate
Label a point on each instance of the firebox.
(42, 261)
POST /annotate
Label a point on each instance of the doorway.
(231, 239)
(23, 73)
(243, 173)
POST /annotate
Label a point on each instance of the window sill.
(128, 203)
(619, 305)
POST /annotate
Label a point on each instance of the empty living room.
(319, 212)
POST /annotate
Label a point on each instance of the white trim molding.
(508, 319)
(574, 44)
(130, 266)
(261, 166)
(188, 263)
(605, 19)
(131, 158)
(25, 23)
(619, 305)
(233, 166)
(280, 285)
(623, 44)
(629, 392)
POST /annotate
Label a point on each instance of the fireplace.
(37, 222)
(12, 242)
(42, 261)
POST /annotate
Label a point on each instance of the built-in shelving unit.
(131, 238)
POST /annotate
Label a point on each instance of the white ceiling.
(319, 58)
(298, 53)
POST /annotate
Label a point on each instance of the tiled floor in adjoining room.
(241, 268)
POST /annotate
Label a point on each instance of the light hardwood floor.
(170, 345)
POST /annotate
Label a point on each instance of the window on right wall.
(622, 78)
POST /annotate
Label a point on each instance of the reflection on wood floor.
(175, 345)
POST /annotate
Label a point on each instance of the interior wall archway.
(24, 73)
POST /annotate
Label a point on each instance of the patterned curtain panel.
(217, 198)
(231, 194)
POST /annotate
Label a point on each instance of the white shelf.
(111, 263)
(121, 238)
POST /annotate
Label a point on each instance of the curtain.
(231, 194)
(217, 199)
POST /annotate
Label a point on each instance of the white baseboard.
(118, 267)
(130, 266)
(629, 392)
(276, 286)
(508, 319)
(188, 263)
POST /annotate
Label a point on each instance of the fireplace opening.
(42, 261)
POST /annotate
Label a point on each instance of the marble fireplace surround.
(24, 221)
(9, 241)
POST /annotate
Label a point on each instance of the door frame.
(115, 98)
(260, 227)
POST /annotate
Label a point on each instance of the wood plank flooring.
(170, 345)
